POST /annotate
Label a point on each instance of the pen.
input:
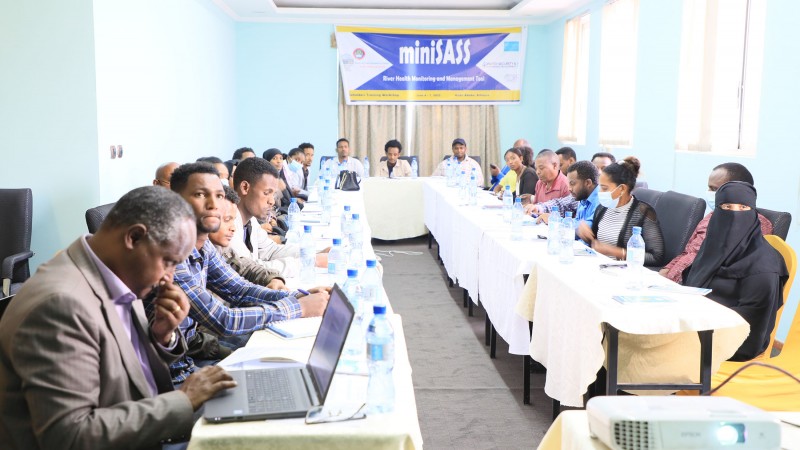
(303, 291)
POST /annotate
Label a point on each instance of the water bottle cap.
(307, 228)
(370, 263)
(508, 188)
(379, 309)
(355, 216)
(352, 273)
(518, 200)
(347, 207)
(325, 188)
(294, 200)
(568, 214)
(554, 209)
(637, 230)
(337, 241)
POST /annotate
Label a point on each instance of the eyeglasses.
(319, 414)
(163, 182)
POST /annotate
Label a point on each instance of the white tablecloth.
(396, 430)
(394, 207)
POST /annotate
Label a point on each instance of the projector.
(678, 422)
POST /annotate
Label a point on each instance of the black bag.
(348, 181)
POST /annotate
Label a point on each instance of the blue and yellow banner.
(439, 67)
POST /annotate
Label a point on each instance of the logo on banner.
(359, 53)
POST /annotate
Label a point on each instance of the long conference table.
(394, 207)
(564, 316)
(396, 430)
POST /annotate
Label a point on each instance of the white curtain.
(720, 75)
(574, 81)
(618, 72)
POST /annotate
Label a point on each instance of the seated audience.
(393, 166)
(243, 153)
(243, 265)
(308, 151)
(719, 176)
(252, 306)
(82, 366)
(567, 157)
(740, 267)
(582, 201)
(343, 161)
(462, 161)
(275, 158)
(163, 174)
(218, 164)
(615, 217)
(294, 175)
(519, 163)
(552, 183)
(603, 159)
(255, 182)
(231, 166)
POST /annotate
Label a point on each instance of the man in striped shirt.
(252, 306)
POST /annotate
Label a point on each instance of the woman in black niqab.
(741, 268)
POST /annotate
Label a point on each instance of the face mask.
(606, 200)
(295, 166)
(711, 197)
(224, 181)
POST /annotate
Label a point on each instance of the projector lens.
(730, 433)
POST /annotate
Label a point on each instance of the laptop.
(284, 392)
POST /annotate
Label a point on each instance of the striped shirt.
(611, 224)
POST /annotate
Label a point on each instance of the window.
(720, 79)
(618, 72)
(574, 81)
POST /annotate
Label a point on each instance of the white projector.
(676, 422)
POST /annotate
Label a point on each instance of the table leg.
(451, 281)
(526, 380)
(705, 359)
(488, 330)
(430, 240)
(556, 408)
(493, 343)
(465, 296)
(612, 355)
(470, 306)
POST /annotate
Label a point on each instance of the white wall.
(165, 87)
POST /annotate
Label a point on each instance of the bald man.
(164, 173)
(552, 183)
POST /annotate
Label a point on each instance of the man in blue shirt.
(582, 201)
(205, 271)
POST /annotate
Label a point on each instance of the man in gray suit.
(80, 366)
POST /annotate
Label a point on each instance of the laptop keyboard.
(269, 390)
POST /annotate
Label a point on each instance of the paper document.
(678, 289)
(642, 299)
(296, 328)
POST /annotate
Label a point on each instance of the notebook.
(296, 328)
(284, 392)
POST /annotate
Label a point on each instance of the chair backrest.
(678, 215)
(4, 304)
(648, 196)
(780, 221)
(476, 158)
(323, 160)
(408, 159)
(641, 184)
(790, 258)
(16, 221)
(96, 215)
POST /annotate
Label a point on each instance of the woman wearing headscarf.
(740, 267)
(275, 157)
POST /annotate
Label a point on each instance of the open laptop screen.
(330, 340)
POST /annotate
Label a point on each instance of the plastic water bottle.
(371, 285)
(553, 237)
(380, 354)
(356, 243)
(449, 174)
(344, 225)
(326, 206)
(328, 174)
(473, 190)
(462, 188)
(508, 204)
(327, 189)
(337, 261)
(635, 259)
(366, 167)
(414, 168)
(516, 220)
(567, 232)
(353, 357)
(294, 213)
(308, 257)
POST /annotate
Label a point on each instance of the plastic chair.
(780, 221)
(96, 215)
(16, 221)
(678, 215)
(323, 160)
(648, 196)
(761, 386)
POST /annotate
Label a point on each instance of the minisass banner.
(439, 67)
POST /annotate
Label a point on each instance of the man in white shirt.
(343, 161)
(256, 181)
(463, 161)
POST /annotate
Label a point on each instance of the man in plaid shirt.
(252, 306)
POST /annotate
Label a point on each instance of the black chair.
(4, 304)
(780, 221)
(15, 240)
(408, 159)
(323, 160)
(476, 158)
(648, 196)
(96, 215)
(678, 215)
(641, 184)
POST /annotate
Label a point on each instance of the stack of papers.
(296, 328)
(642, 299)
